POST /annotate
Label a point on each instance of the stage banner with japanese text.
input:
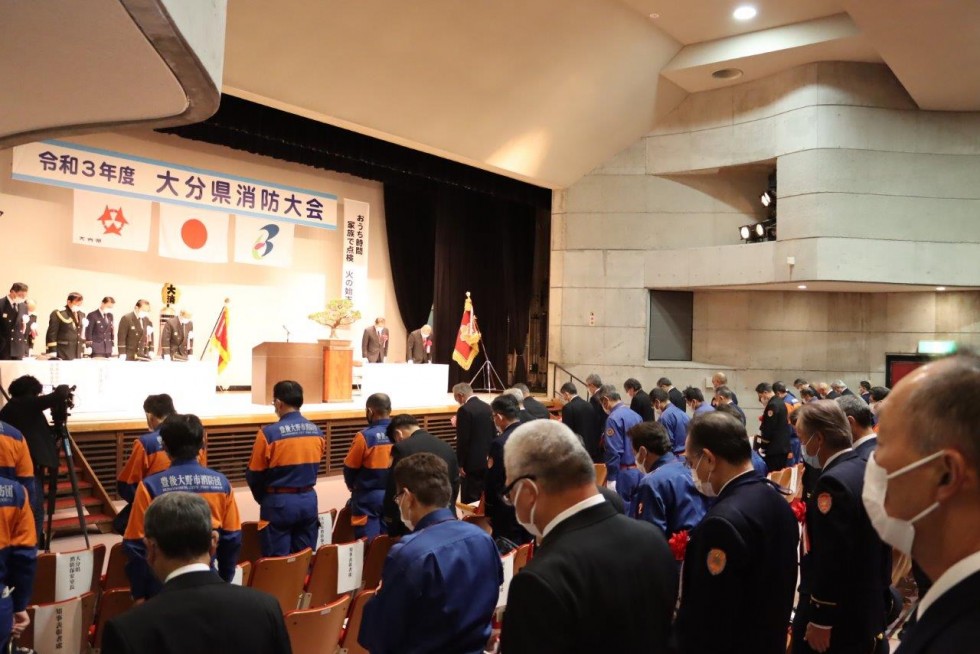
(110, 221)
(355, 246)
(60, 163)
(261, 242)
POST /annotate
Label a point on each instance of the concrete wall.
(870, 190)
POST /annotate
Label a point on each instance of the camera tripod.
(61, 432)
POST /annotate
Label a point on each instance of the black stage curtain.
(451, 228)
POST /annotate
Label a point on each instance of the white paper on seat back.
(58, 627)
(508, 564)
(350, 566)
(73, 574)
(324, 532)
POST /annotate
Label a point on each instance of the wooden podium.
(338, 361)
(300, 362)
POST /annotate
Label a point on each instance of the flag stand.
(210, 340)
(486, 370)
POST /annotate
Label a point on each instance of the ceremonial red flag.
(468, 337)
(219, 339)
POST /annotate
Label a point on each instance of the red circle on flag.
(194, 234)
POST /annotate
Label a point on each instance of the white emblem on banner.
(350, 566)
(262, 242)
(73, 574)
(110, 221)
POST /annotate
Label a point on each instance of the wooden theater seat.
(317, 630)
(349, 644)
(374, 560)
(283, 577)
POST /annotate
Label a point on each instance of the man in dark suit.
(474, 433)
(175, 337)
(196, 611)
(408, 439)
(100, 333)
(374, 343)
(864, 440)
(535, 410)
(840, 388)
(639, 399)
(420, 345)
(846, 569)
(594, 567)
(774, 429)
(135, 340)
(920, 490)
(501, 514)
(593, 444)
(673, 394)
(25, 411)
(13, 323)
(740, 562)
(577, 414)
(66, 330)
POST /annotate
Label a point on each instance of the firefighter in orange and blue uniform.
(18, 558)
(366, 469)
(183, 436)
(15, 458)
(282, 475)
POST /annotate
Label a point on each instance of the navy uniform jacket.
(502, 517)
(626, 487)
(739, 573)
(617, 445)
(759, 464)
(439, 590)
(599, 583)
(951, 624)
(865, 449)
(65, 335)
(668, 498)
(100, 333)
(675, 421)
(13, 330)
(643, 406)
(845, 576)
(774, 432)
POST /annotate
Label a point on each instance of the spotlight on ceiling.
(745, 231)
(758, 232)
(768, 197)
(745, 12)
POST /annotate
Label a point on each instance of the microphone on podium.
(287, 332)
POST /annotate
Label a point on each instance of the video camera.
(66, 402)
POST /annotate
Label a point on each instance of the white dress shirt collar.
(588, 503)
(864, 439)
(954, 575)
(183, 570)
(834, 457)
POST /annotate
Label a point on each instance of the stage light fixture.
(745, 231)
(768, 197)
(760, 230)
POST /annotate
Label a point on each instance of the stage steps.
(99, 510)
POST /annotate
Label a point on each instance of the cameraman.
(25, 411)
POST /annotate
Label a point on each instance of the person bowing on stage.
(136, 333)
(66, 339)
(100, 331)
(374, 343)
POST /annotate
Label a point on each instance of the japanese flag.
(111, 221)
(193, 234)
(263, 242)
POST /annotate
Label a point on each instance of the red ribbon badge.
(678, 544)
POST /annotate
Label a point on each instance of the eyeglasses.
(399, 494)
(692, 465)
(509, 488)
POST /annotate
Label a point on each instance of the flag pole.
(214, 329)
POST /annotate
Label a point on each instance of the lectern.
(338, 359)
(300, 362)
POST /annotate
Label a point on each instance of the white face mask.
(900, 534)
(529, 526)
(812, 460)
(401, 514)
(704, 487)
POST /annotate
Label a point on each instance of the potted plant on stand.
(338, 313)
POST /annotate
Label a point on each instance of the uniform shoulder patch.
(610, 432)
(770, 413)
(717, 560)
(824, 502)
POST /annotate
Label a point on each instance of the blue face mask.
(811, 460)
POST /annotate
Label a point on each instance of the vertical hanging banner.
(193, 234)
(110, 221)
(263, 242)
(354, 242)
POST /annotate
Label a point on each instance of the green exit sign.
(937, 347)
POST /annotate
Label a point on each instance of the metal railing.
(555, 385)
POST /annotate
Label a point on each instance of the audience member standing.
(440, 582)
(740, 565)
(577, 414)
(666, 496)
(282, 474)
(183, 437)
(674, 420)
(409, 439)
(719, 380)
(724, 395)
(147, 456)
(599, 582)
(845, 570)
(196, 611)
(18, 559)
(535, 409)
(695, 401)
(367, 466)
(593, 445)
(474, 433)
(674, 394)
(616, 441)
(502, 521)
(864, 440)
(639, 399)
(921, 492)
(774, 430)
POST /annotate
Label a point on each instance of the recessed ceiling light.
(654, 15)
(745, 12)
(940, 288)
(727, 73)
(802, 287)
